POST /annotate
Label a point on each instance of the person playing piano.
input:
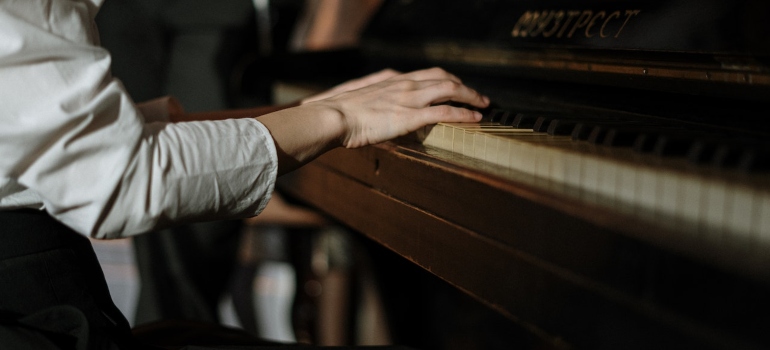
(81, 159)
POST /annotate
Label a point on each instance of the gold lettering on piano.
(615, 14)
(571, 15)
(558, 16)
(586, 23)
(629, 13)
(581, 22)
(598, 15)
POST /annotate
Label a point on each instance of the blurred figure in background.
(331, 24)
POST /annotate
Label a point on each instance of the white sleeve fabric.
(71, 137)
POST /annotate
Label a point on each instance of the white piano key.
(689, 200)
(557, 167)
(572, 166)
(716, 198)
(646, 188)
(455, 139)
(668, 197)
(589, 178)
(607, 185)
(526, 158)
(459, 140)
(434, 136)
(490, 149)
(504, 153)
(626, 182)
(740, 217)
(513, 154)
(449, 138)
(761, 222)
(467, 142)
(479, 145)
(508, 149)
(431, 135)
(543, 164)
(441, 140)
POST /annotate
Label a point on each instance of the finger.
(354, 84)
(429, 74)
(448, 114)
(438, 91)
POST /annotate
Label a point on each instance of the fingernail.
(486, 99)
(477, 115)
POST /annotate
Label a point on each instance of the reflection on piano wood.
(619, 198)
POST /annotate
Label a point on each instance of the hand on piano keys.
(369, 115)
(401, 104)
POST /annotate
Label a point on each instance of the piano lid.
(713, 42)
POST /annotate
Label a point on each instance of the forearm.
(300, 134)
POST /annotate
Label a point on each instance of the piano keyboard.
(683, 195)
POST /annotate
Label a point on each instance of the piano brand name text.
(570, 23)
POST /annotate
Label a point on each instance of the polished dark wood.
(574, 274)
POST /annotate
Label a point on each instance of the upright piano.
(617, 193)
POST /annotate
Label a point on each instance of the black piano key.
(493, 106)
(727, 156)
(597, 135)
(673, 145)
(564, 125)
(507, 118)
(645, 142)
(541, 124)
(561, 127)
(617, 133)
(581, 131)
(754, 160)
(702, 152)
(617, 137)
(718, 152)
(492, 116)
(584, 127)
(524, 121)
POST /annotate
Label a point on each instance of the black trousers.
(53, 295)
(52, 289)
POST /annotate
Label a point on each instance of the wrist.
(329, 121)
(305, 132)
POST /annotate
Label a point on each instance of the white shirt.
(73, 142)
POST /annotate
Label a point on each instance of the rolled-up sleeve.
(73, 138)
